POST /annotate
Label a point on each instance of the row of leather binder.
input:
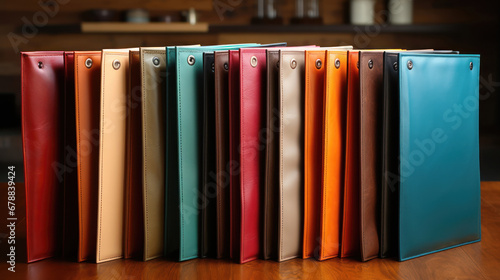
(249, 151)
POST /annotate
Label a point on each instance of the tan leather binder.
(87, 96)
(153, 80)
(291, 153)
(114, 73)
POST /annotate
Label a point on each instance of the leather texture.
(252, 64)
(350, 239)
(87, 97)
(112, 150)
(313, 138)
(153, 70)
(185, 145)
(439, 153)
(271, 191)
(389, 194)
(208, 220)
(42, 86)
(134, 218)
(221, 75)
(371, 95)
(333, 158)
(70, 220)
(291, 153)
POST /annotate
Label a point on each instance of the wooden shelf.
(150, 27)
(182, 27)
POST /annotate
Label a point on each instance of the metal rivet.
(88, 62)
(156, 61)
(357, 64)
(293, 63)
(370, 64)
(253, 61)
(40, 64)
(226, 66)
(409, 64)
(116, 64)
(213, 67)
(191, 60)
(337, 63)
(318, 63)
(471, 65)
(395, 66)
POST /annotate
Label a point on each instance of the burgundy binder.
(42, 85)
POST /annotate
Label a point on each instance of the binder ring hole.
(278, 64)
(213, 67)
(471, 65)
(357, 64)
(156, 61)
(337, 63)
(370, 64)
(40, 64)
(226, 66)
(191, 60)
(116, 64)
(395, 66)
(253, 61)
(318, 63)
(88, 62)
(409, 64)
(293, 63)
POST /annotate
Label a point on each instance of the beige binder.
(153, 80)
(114, 72)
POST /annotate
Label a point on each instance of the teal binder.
(184, 131)
(439, 198)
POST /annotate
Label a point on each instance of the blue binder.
(439, 153)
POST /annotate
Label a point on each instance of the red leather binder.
(247, 69)
(42, 86)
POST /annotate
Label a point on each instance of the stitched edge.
(282, 56)
(325, 157)
(305, 248)
(101, 142)
(78, 158)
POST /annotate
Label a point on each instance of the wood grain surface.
(475, 261)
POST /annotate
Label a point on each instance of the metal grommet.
(318, 63)
(253, 61)
(337, 63)
(409, 64)
(471, 65)
(116, 64)
(370, 64)
(88, 62)
(213, 66)
(395, 66)
(40, 64)
(357, 64)
(191, 60)
(226, 66)
(156, 61)
(293, 63)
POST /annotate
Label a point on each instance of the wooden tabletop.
(475, 261)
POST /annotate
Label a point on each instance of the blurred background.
(464, 25)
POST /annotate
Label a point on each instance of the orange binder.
(350, 220)
(333, 156)
(313, 119)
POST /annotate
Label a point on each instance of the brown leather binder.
(87, 96)
(371, 65)
(134, 218)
